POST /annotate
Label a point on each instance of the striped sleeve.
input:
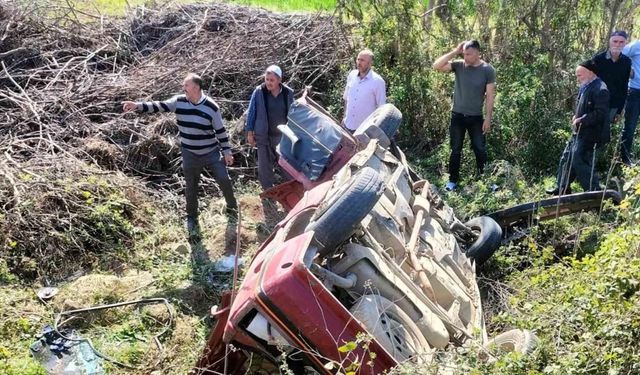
(158, 106)
(221, 133)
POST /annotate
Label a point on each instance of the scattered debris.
(59, 339)
(65, 353)
(46, 293)
(227, 263)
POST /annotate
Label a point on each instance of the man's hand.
(460, 48)
(576, 121)
(616, 118)
(251, 138)
(228, 159)
(486, 126)
(129, 106)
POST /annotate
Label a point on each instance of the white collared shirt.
(362, 96)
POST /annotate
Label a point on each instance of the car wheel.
(516, 340)
(390, 326)
(338, 221)
(386, 117)
(489, 238)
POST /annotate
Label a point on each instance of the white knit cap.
(275, 69)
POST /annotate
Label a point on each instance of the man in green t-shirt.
(475, 85)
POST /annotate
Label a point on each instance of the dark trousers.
(612, 114)
(631, 114)
(577, 162)
(268, 162)
(192, 166)
(472, 125)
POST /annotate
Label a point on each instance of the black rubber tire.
(386, 117)
(488, 240)
(337, 222)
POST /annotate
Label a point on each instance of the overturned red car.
(369, 268)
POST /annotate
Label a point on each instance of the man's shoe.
(552, 191)
(556, 191)
(450, 186)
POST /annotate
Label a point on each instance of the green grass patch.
(290, 5)
(120, 7)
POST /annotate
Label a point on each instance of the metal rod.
(425, 284)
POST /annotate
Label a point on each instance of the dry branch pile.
(64, 74)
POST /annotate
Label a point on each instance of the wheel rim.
(403, 341)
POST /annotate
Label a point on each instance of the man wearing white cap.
(365, 91)
(269, 106)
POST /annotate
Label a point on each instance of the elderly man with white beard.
(591, 114)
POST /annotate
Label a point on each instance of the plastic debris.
(61, 356)
(47, 293)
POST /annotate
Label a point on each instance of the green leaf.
(348, 347)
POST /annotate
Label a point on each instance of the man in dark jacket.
(591, 116)
(614, 69)
(268, 108)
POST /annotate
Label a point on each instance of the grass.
(119, 7)
(290, 5)
(162, 263)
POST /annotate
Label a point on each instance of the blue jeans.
(632, 112)
(459, 125)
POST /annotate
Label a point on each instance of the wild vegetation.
(574, 281)
(91, 198)
(120, 7)
(92, 204)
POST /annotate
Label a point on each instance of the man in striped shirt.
(202, 134)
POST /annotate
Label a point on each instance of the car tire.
(516, 340)
(489, 238)
(338, 221)
(391, 327)
(386, 117)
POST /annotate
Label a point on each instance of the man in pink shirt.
(365, 91)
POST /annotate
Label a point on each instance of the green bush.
(534, 49)
(75, 222)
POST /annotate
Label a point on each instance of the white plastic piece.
(261, 327)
